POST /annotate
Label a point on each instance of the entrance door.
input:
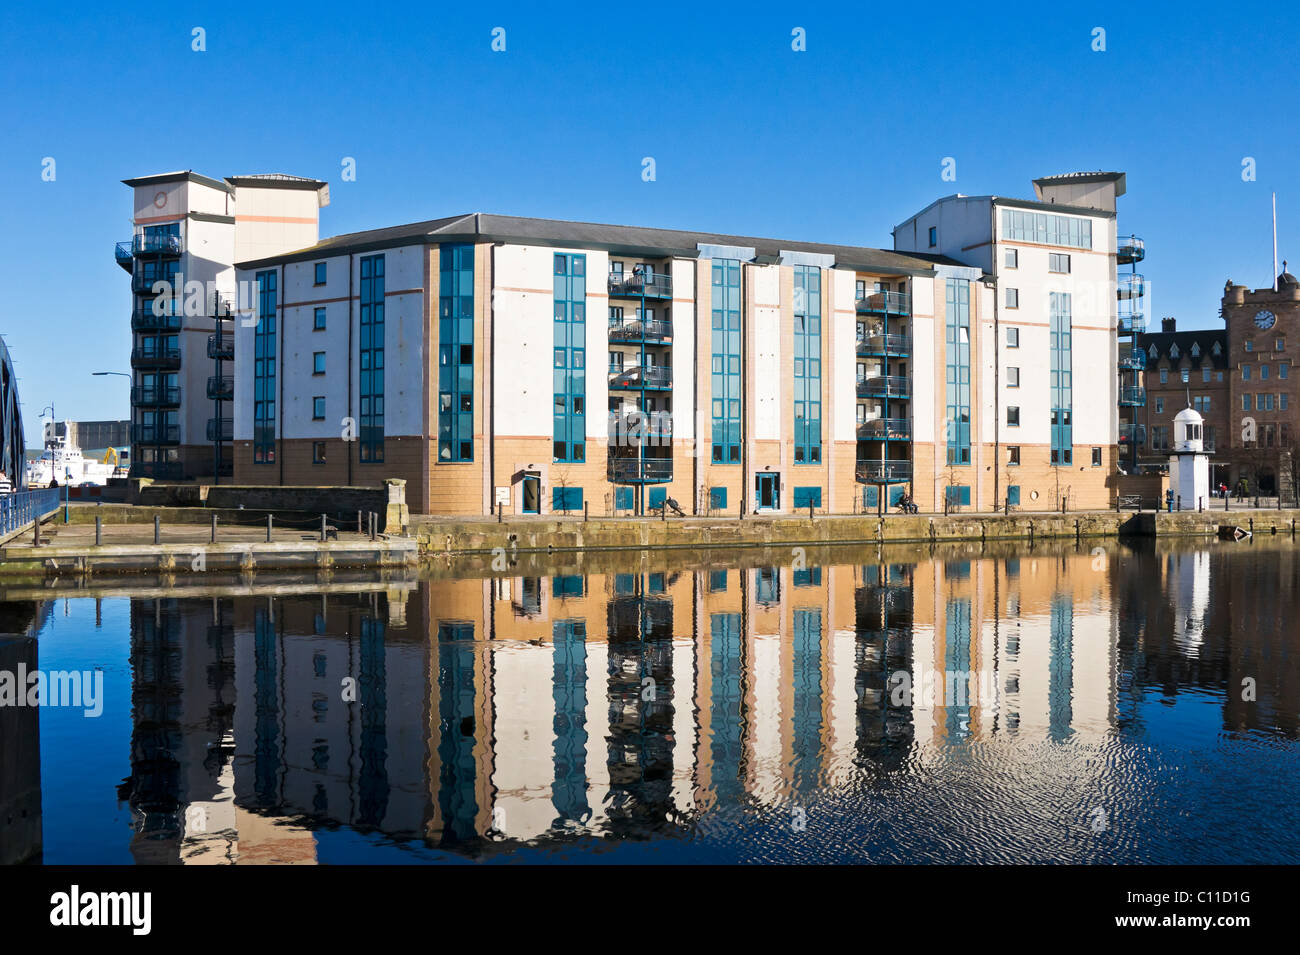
(768, 491)
(532, 494)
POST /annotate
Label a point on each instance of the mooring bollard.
(214, 529)
(1252, 527)
(322, 528)
(586, 511)
(359, 530)
(99, 530)
(500, 510)
(269, 521)
(36, 531)
(157, 529)
(810, 512)
(1200, 505)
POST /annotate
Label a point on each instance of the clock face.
(1264, 319)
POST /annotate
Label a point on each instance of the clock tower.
(1263, 336)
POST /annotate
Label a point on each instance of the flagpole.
(1275, 242)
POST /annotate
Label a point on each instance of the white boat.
(67, 465)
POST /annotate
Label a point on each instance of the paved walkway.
(57, 534)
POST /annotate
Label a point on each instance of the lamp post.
(128, 377)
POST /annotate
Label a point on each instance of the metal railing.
(885, 303)
(156, 395)
(639, 427)
(221, 429)
(155, 434)
(640, 470)
(221, 386)
(153, 244)
(1131, 397)
(641, 376)
(638, 329)
(1132, 285)
(144, 320)
(21, 509)
(158, 470)
(221, 346)
(882, 472)
(142, 284)
(1134, 361)
(1128, 433)
(881, 429)
(885, 386)
(633, 285)
(165, 356)
(1130, 249)
(880, 344)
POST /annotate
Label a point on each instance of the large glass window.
(807, 365)
(264, 377)
(725, 369)
(1046, 229)
(371, 390)
(1061, 384)
(957, 371)
(570, 358)
(456, 353)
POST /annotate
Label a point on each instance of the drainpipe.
(347, 445)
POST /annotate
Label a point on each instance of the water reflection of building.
(20, 737)
(615, 704)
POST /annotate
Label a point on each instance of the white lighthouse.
(1189, 465)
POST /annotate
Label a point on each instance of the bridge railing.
(21, 509)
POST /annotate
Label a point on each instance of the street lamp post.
(128, 377)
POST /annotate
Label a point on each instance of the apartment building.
(1030, 385)
(188, 231)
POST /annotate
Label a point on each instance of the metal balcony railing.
(885, 303)
(145, 243)
(155, 395)
(1129, 433)
(639, 428)
(221, 387)
(1131, 397)
(885, 429)
(122, 254)
(143, 283)
(221, 346)
(1131, 321)
(882, 472)
(1129, 250)
(641, 376)
(880, 344)
(221, 429)
(158, 470)
(1133, 285)
(633, 285)
(632, 470)
(884, 386)
(1133, 361)
(155, 434)
(156, 356)
(640, 330)
(145, 320)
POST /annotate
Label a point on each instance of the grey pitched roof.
(1205, 338)
(620, 239)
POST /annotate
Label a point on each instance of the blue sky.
(835, 144)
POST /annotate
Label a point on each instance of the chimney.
(1169, 324)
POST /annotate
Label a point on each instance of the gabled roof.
(619, 239)
(1164, 342)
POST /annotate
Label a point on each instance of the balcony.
(167, 357)
(144, 320)
(885, 429)
(221, 346)
(632, 285)
(632, 470)
(155, 395)
(1130, 433)
(123, 255)
(158, 470)
(1134, 361)
(221, 387)
(885, 303)
(638, 428)
(884, 386)
(142, 283)
(1131, 397)
(155, 434)
(882, 472)
(651, 331)
(1131, 286)
(883, 345)
(638, 377)
(154, 244)
(221, 429)
(1129, 250)
(1132, 321)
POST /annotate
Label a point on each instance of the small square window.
(1013, 338)
(1013, 454)
(1013, 298)
(934, 236)
(1279, 344)
(318, 408)
(1096, 457)
(318, 363)
(1012, 259)
(1013, 416)
(320, 273)
(1058, 262)
(1013, 377)
(1249, 346)
(318, 452)
(318, 323)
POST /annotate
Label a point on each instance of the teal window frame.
(264, 368)
(318, 408)
(1061, 381)
(320, 273)
(624, 498)
(805, 496)
(455, 354)
(725, 367)
(569, 360)
(1013, 495)
(655, 497)
(957, 494)
(371, 358)
(318, 320)
(807, 364)
(566, 499)
(957, 371)
(718, 498)
(318, 363)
